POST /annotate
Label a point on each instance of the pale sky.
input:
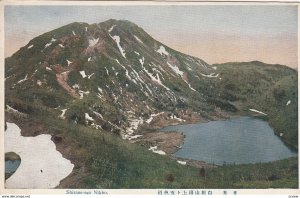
(216, 34)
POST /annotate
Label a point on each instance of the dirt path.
(62, 80)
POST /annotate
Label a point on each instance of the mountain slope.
(82, 80)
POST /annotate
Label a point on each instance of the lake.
(242, 140)
(11, 165)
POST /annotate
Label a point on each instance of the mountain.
(115, 78)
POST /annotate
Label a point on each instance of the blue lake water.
(12, 165)
(241, 141)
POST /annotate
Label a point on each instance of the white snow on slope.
(288, 102)
(215, 68)
(134, 137)
(50, 43)
(137, 38)
(155, 79)
(76, 86)
(69, 62)
(98, 114)
(88, 117)
(39, 83)
(142, 61)
(189, 85)
(112, 27)
(152, 116)
(29, 46)
(82, 73)
(89, 76)
(82, 93)
(162, 51)
(99, 89)
(47, 45)
(181, 162)
(24, 79)
(73, 33)
(126, 72)
(48, 68)
(62, 115)
(117, 40)
(86, 28)
(254, 110)
(89, 59)
(133, 125)
(154, 150)
(175, 69)
(212, 75)
(176, 118)
(61, 45)
(106, 71)
(136, 53)
(93, 42)
(49, 168)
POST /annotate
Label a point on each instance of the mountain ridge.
(118, 67)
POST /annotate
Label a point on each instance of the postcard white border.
(128, 3)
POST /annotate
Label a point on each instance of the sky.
(216, 34)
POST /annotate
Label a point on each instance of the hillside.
(94, 85)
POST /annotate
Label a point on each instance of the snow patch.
(89, 59)
(162, 51)
(29, 46)
(155, 79)
(61, 45)
(154, 150)
(176, 118)
(99, 89)
(88, 117)
(50, 167)
(254, 110)
(288, 102)
(117, 40)
(73, 33)
(69, 62)
(24, 79)
(106, 71)
(175, 69)
(39, 83)
(93, 42)
(111, 28)
(212, 75)
(181, 162)
(86, 28)
(82, 73)
(136, 53)
(189, 85)
(89, 76)
(82, 93)
(62, 115)
(137, 38)
(75, 86)
(134, 137)
(152, 116)
(48, 68)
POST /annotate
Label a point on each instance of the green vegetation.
(111, 162)
(119, 87)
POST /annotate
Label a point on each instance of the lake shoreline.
(164, 144)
